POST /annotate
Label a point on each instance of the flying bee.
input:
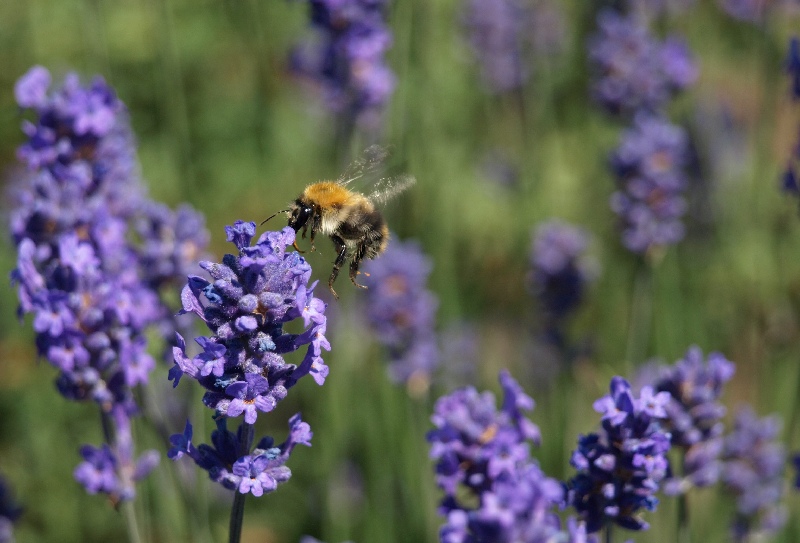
(351, 219)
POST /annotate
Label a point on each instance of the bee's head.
(299, 213)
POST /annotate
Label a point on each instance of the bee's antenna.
(274, 214)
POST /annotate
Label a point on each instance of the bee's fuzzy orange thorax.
(328, 194)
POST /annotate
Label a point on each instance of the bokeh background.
(224, 124)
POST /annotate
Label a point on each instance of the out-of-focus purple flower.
(694, 416)
(506, 34)
(621, 468)
(247, 303)
(560, 269)
(790, 181)
(347, 58)
(401, 311)
(751, 11)
(754, 464)
(79, 272)
(309, 539)
(793, 66)
(494, 490)
(10, 512)
(649, 166)
(473, 443)
(633, 70)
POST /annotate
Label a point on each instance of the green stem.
(640, 317)
(129, 510)
(237, 509)
(609, 532)
(684, 535)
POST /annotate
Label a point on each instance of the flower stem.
(237, 509)
(684, 535)
(129, 511)
(237, 515)
(641, 315)
(609, 533)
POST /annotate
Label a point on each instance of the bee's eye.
(300, 217)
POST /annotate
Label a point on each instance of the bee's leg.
(316, 224)
(341, 251)
(356, 262)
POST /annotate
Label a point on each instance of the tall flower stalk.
(86, 283)
(250, 297)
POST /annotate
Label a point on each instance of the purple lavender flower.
(694, 416)
(401, 311)
(559, 267)
(232, 462)
(620, 468)
(482, 455)
(633, 70)
(10, 512)
(77, 271)
(347, 59)
(649, 167)
(505, 34)
(754, 462)
(247, 303)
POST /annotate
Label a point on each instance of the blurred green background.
(221, 123)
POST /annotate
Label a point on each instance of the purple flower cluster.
(246, 304)
(754, 463)
(401, 310)
(633, 70)
(620, 469)
(694, 416)
(231, 462)
(10, 512)
(649, 199)
(636, 76)
(504, 35)
(87, 284)
(482, 455)
(559, 268)
(347, 58)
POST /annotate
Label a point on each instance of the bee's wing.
(388, 187)
(370, 161)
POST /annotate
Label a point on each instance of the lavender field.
(585, 325)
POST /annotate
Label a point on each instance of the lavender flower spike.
(560, 270)
(695, 416)
(347, 58)
(650, 182)
(620, 468)
(245, 305)
(754, 463)
(494, 490)
(401, 311)
(77, 271)
(634, 71)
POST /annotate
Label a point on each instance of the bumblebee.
(351, 219)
